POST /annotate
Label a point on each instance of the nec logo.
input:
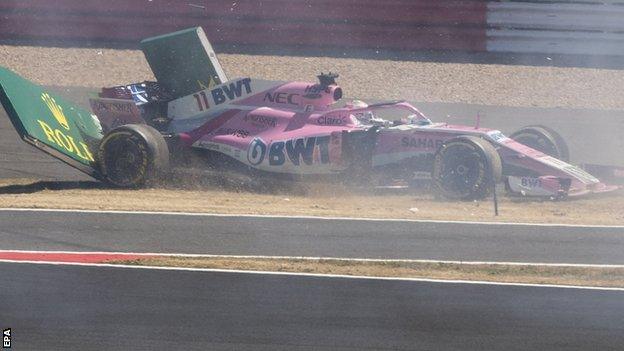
(6, 338)
(281, 98)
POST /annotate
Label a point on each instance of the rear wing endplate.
(51, 124)
(183, 62)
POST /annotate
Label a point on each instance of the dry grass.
(486, 84)
(607, 209)
(578, 276)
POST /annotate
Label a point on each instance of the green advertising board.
(51, 123)
(183, 62)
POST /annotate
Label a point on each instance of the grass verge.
(533, 274)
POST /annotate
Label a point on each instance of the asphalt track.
(249, 235)
(73, 307)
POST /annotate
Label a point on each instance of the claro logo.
(332, 120)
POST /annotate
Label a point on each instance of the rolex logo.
(57, 111)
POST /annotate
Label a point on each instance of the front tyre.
(133, 155)
(543, 139)
(465, 168)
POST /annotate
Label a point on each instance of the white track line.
(226, 215)
(309, 258)
(319, 275)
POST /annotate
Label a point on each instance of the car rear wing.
(50, 123)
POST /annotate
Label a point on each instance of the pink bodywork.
(295, 128)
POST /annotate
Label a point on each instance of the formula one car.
(194, 115)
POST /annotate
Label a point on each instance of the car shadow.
(188, 184)
(51, 185)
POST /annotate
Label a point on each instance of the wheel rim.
(125, 159)
(461, 172)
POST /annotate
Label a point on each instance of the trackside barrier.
(586, 27)
(594, 27)
(389, 24)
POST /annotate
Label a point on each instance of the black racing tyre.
(133, 155)
(466, 168)
(544, 139)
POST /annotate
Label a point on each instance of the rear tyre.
(133, 155)
(543, 139)
(466, 168)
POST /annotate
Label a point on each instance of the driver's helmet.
(365, 117)
(370, 118)
(419, 120)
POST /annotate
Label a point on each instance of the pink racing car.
(290, 130)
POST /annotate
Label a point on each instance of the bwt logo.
(531, 182)
(295, 150)
(230, 91)
(6, 338)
